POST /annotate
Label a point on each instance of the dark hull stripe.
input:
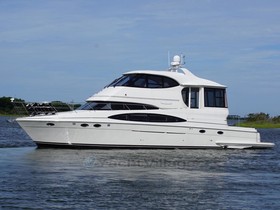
(115, 146)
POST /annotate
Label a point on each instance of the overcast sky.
(69, 49)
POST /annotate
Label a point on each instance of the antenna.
(168, 57)
(183, 62)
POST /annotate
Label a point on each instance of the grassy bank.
(260, 120)
(7, 114)
(12, 115)
(259, 124)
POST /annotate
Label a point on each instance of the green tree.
(253, 117)
(276, 119)
(6, 106)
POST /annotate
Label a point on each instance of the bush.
(276, 119)
(6, 106)
(253, 117)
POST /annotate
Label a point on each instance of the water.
(33, 178)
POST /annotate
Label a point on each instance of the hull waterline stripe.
(115, 146)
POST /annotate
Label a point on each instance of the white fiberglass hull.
(112, 134)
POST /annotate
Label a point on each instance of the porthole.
(84, 125)
(96, 125)
(50, 124)
(220, 132)
(202, 131)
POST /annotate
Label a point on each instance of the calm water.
(33, 178)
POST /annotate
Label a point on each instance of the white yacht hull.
(147, 109)
(140, 135)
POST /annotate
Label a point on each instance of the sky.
(67, 50)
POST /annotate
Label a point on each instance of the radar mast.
(178, 62)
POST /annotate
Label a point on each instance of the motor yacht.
(147, 109)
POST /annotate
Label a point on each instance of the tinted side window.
(135, 106)
(214, 97)
(194, 97)
(138, 81)
(118, 106)
(138, 117)
(191, 97)
(142, 117)
(155, 81)
(157, 118)
(168, 82)
(185, 95)
(107, 105)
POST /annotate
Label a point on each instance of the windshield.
(144, 81)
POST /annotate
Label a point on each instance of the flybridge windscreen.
(144, 81)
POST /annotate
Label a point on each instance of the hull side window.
(144, 117)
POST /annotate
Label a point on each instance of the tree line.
(262, 117)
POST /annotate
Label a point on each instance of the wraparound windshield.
(144, 81)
